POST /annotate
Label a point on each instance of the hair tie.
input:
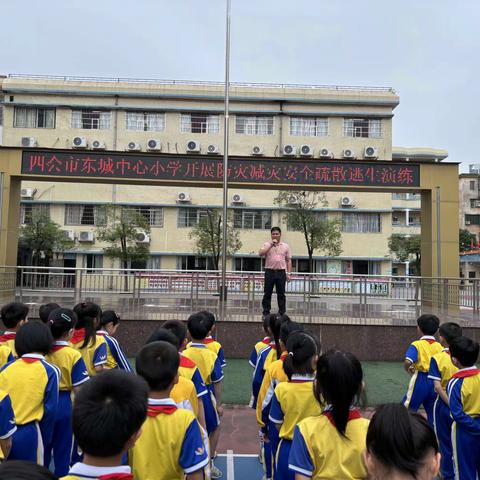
(66, 317)
(50, 322)
(290, 353)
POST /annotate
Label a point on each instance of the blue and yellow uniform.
(265, 357)
(188, 369)
(7, 419)
(442, 369)
(32, 384)
(170, 445)
(320, 452)
(420, 389)
(8, 339)
(81, 471)
(185, 395)
(464, 396)
(256, 350)
(216, 348)
(73, 373)
(292, 402)
(5, 355)
(211, 371)
(94, 354)
(115, 356)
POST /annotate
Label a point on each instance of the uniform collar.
(61, 343)
(197, 345)
(35, 356)
(8, 332)
(94, 472)
(161, 401)
(467, 369)
(302, 378)
(102, 332)
(446, 350)
(428, 337)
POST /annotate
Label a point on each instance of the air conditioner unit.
(153, 144)
(289, 150)
(293, 200)
(69, 234)
(306, 151)
(257, 150)
(29, 142)
(237, 198)
(476, 203)
(213, 149)
(98, 145)
(134, 147)
(79, 142)
(193, 146)
(348, 153)
(326, 153)
(142, 237)
(183, 197)
(28, 192)
(86, 237)
(346, 202)
(370, 152)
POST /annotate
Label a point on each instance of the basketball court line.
(242, 466)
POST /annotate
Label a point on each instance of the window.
(362, 127)
(93, 260)
(90, 119)
(472, 219)
(30, 210)
(361, 267)
(153, 215)
(153, 263)
(308, 126)
(252, 219)
(200, 123)
(472, 184)
(475, 203)
(253, 125)
(361, 223)
(190, 262)
(248, 264)
(302, 265)
(27, 117)
(145, 121)
(85, 215)
(321, 216)
(189, 217)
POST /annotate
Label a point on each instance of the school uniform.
(464, 396)
(216, 348)
(292, 401)
(188, 369)
(185, 395)
(7, 419)
(8, 339)
(210, 369)
(256, 350)
(420, 389)
(81, 471)
(115, 356)
(265, 357)
(170, 445)
(320, 452)
(442, 369)
(73, 374)
(94, 354)
(5, 355)
(32, 384)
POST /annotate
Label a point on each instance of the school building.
(289, 121)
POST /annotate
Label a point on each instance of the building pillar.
(407, 217)
(407, 269)
(9, 218)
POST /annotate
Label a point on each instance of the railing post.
(474, 295)
(191, 291)
(309, 299)
(304, 294)
(20, 293)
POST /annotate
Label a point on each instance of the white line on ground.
(238, 454)
(230, 465)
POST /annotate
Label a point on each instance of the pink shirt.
(276, 258)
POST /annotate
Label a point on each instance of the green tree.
(405, 247)
(43, 237)
(319, 232)
(208, 235)
(466, 239)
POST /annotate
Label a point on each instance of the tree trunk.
(125, 275)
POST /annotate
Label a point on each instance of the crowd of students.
(71, 407)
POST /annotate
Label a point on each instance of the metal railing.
(311, 298)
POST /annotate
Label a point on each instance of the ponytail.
(61, 321)
(88, 314)
(301, 348)
(274, 324)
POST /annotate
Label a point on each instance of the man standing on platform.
(278, 268)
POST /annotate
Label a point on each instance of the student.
(209, 341)
(5, 354)
(262, 344)
(45, 310)
(13, 315)
(294, 400)
(330, 445)
(93, 347)
(401, 445)
(464, 397)
(212, 375)
(417, 363)
(7, 425)
(73, 373)
(20, 470)
(171, 445)
(32, 384)
(109, 323)
(117, 401)
(440, 372)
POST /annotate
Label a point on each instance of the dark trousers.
(277, 279)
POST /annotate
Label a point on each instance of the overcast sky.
(427, 50)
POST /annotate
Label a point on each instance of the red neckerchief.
(429, 340)
(78, 336)
(266, 340)
(208, 340)
(283, 356)
(154, 410)
(467, 373)
(7, 336)
(186, 362)
(56, 348)
(116, 476)
(30, 360)
(352, 415)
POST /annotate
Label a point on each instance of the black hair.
(276, 229)
(158, 364)
(13, 313)
(465, 350)
(60, 321)
(301, 347)
(23, 470)
(449, 331)
(287, 328)
(107, 411)
(400, 440)
(339, 381)
(210, 317)
(428, 324)
(89, 315)
(109, 316)
(163, 335)
(274, 324)
(197, 325)
(266, 323)
(33, 337)
(45, 310)
(178, 328)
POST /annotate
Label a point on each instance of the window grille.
(252, 219)
(199, 123)
(189, 217)
(253, 125)
(91, 119)
(85, 215)
(145, 121)
(308, 127)
(362, 127)
(29, 210)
